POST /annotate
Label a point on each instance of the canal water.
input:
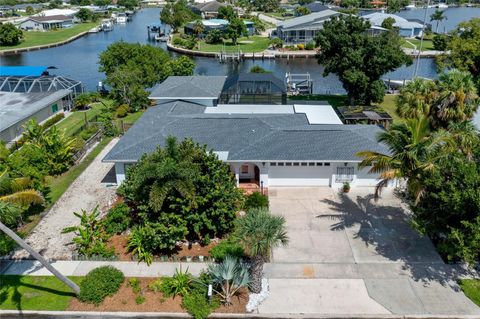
(78, 59)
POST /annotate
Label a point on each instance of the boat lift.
(300, 83)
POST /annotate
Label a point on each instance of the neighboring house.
(406, 28)
(45, 23)
(316, 7)
(56, 12)
(305, 28)
(219, 24)
(265, 145)
(208, 10)
(18, 108)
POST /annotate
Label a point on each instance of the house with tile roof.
(265, 145)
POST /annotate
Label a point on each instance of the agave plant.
(228, 277)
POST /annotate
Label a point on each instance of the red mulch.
(119, 243)
(124, 300)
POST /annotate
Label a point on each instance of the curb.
(5, 314)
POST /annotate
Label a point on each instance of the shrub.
(180, 284)
(225, 248)
(122, 110)
(301, 46)
(88, 132)
(6, 244)
(228, 277)
(135, 284)
(155, 286)
(197, 304)
(440, 42)
(214, 36)
(188, 43)
(139, 299)
(276, 43)
(54, 119)
(310, 46)
(99, 283)
(118, 219)
(255, 200)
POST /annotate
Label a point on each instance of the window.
(304, 164)
(296, 164)
(280, 164)
(311, 164)
(327, 164)
(344, 174)
(273, 164)
(244, 169)
(288, 164)
(319, 164)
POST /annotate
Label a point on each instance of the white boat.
(442, 6)
(410, 7)
(107, 25)
(121, 17)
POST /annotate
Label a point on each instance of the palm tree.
(15, 192)
(198, 28)
(258, 232)
(414, 150)
(457, 98)
(437, 16)
(229, 276)
(415, 98)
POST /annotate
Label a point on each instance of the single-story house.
(56, 12)
(208, 10)
(316, 7)
(18, 108)
(304, 29)
(219, 24)
(45, 23)
(264, 145)
(406, 28)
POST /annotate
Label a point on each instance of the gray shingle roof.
(246, 137)
(189, 86)
(312, 18)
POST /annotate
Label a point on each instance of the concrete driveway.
(351, 255)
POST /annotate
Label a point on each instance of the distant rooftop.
(378, 17)
(178, 87)
(312, 18)
(15, 107)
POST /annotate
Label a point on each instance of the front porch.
(250, 178)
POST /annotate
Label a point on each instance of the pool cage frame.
(44, 83)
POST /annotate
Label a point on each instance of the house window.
(288, 164)
(311, 164)
(344, 174)
(327, 164)
(304, 164)
(296, 164)
(244, 169)
(273, 164)
(280, 164)
(319, 164)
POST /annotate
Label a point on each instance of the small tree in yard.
(229, 276)
(9, 34)
(258, 232)
(236, 29)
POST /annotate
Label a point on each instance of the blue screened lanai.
(22, 70)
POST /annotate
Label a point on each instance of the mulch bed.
(124, 300)
(119, 243)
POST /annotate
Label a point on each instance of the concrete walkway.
(86, 192)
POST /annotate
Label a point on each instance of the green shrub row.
(100, 283)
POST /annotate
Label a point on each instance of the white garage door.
(299, 175)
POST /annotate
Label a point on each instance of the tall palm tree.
(258, 232)
(414, 150)
(437, 16)
(457, 98)
(416, 98)
(15, 192)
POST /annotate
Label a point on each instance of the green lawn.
(59, 184)
(427, 44)
(471, 288)
(32, 38)
(35, 293)
(132, 117)
(76, 120)
(246, 45)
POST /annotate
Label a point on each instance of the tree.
(437, 16)
(259, 232)
(258, 69)
(440, 42)
(416, 98)
(84, 14)
(228, 277)
(227, 13)
(198, 28)
(388, 23)
(181, 66)
(9, 34)
(413, 154)
(236, 29)
(359, 60)
(128, 4)
(15, 192)
(463, 48)
(214, 36)
(396, 5)
(175, 14)
(301, 11)
(266, 5)
(29, 10)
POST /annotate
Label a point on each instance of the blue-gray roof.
(246, 137)
(178, 87)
